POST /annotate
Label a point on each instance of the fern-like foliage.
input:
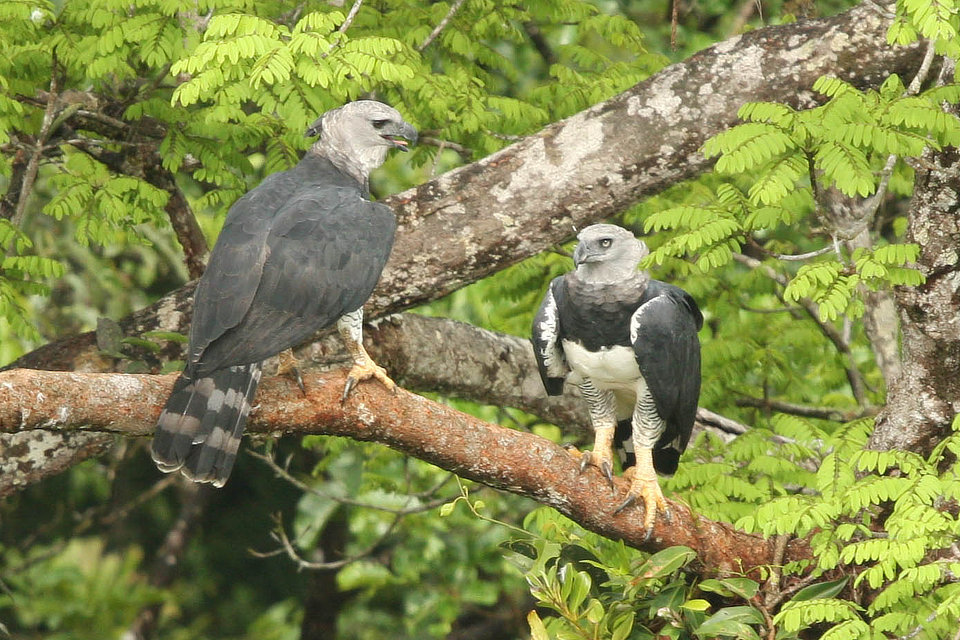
(212, 96)
(884, 513)
(779, 158)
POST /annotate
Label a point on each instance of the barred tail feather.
(200, 428)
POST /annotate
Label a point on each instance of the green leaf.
(731, 622)
(537, 630)
(820, 590)
(697, 604)
(663, 563)
(741, 587)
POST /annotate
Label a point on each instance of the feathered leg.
(647, 429)
(350, 327)
(645, 486)
(603, 417)
(200, 428)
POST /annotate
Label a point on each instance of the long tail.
(199, 430)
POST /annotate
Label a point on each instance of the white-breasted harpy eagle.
(631, 345)
(298, 253)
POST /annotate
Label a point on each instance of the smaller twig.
(744, 13)
(788, 309)
(772, 588)
(420, 508)
(466, 152)
(720, 422)
(674, 19)
(99, 516)
(924, 70)
(916, 630)
(350, 16)
(540, 43)
(465, 498)
(436, 159)
(33, 165)
(800, 584)
(799, 256)
(440, 25)
(804, 411)
(280, 534)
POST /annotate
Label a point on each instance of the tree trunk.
(925, 399)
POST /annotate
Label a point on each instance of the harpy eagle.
(631, 345)
(298, 253)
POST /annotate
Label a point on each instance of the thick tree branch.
(421, 353)
(528, 197)
(502, 458)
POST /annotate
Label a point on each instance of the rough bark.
(515, 461)
(421, 354)
(529, 196)
(29, 456)
(925, 399)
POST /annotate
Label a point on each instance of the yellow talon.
(645, 487)
(364, 371)
(288, 366)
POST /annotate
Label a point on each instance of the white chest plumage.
(610, 368)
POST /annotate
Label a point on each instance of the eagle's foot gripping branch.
(364, 370)
(645, 487)
(602, 455)
(289, 366)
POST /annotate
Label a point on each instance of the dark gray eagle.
(298, 253)
(631, 345)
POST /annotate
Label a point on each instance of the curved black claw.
(296, 376)
(607, 468)
(347, 388)
(626, 503)
(584, 461)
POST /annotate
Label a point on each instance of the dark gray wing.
(546, 343)
(322, 258)
(663, 331)
(232, 276)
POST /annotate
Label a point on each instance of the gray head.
(608, 253)
(357, 136)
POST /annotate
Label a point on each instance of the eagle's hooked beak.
(583, 254)
(402, 137)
